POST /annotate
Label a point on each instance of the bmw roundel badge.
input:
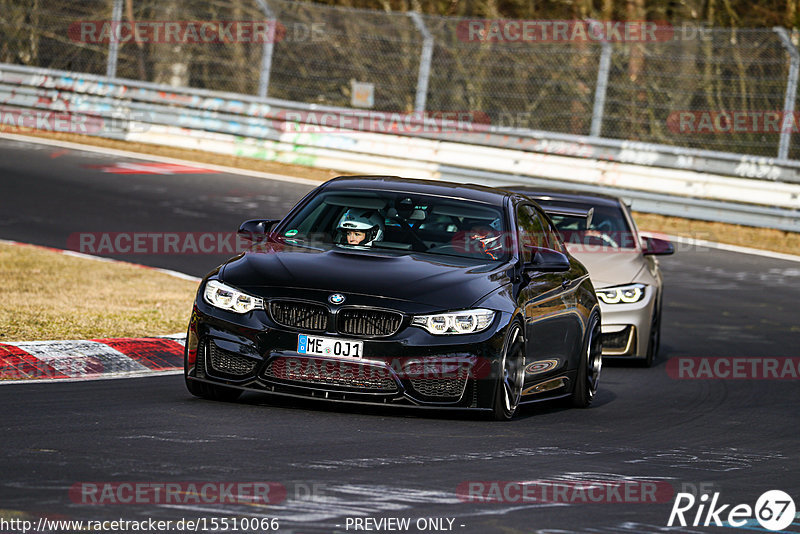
(336, 298)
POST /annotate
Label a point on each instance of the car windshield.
(400, 221)
(607, 226)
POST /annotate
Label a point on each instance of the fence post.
(113, 42)
(267, 49)
(791, 93)
(601, 87)
(424, 62)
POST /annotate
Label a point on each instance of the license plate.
(329, 346)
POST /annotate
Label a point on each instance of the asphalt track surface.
(735, 437)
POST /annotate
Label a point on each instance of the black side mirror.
(548, 261)
(655, 246)
(256, 229)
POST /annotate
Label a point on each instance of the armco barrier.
(655, 178)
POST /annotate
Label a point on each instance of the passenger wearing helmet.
(485, 240)
(360, 227)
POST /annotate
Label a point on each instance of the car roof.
(543, 194)
(489, 195)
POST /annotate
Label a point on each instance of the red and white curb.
(95, 359)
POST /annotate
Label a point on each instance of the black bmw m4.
(395, 291)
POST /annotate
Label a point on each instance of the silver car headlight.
(622, 294)
(459, 322)
(225, 297)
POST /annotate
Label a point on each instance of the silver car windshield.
(607, 227)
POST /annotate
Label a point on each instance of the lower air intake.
(230, 363)
(441, 386)
(331, 373)
(619, 343)
(200, 361)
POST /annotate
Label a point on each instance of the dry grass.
(746, 236)
(47, 295)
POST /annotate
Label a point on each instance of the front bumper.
(409, 368)
(626, 327)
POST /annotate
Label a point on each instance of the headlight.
(625, 294)
(460, 322)
(227, 298)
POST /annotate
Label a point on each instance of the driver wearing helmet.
(360, 227)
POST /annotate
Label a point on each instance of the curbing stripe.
(155, 354)
(142, 374)
(79, 359)
(61, 361)
(17, 364)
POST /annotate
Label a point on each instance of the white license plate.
(329, 346)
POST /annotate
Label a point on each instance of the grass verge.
(48, 296)
(745, 236)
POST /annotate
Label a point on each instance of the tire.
(654, 342)
(591, 363)
(212, 391)
(508, 390)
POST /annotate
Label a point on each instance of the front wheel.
(655, 339)
(511, 376)
(590, 365)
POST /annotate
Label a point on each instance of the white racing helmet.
(367, 221)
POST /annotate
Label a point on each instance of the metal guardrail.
(657, 178)
(245, 106)
(662, 204)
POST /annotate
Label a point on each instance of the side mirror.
(548, 261)
(655, 246)
(256, 229)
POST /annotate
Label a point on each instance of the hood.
(608, 269)
(438, 282)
